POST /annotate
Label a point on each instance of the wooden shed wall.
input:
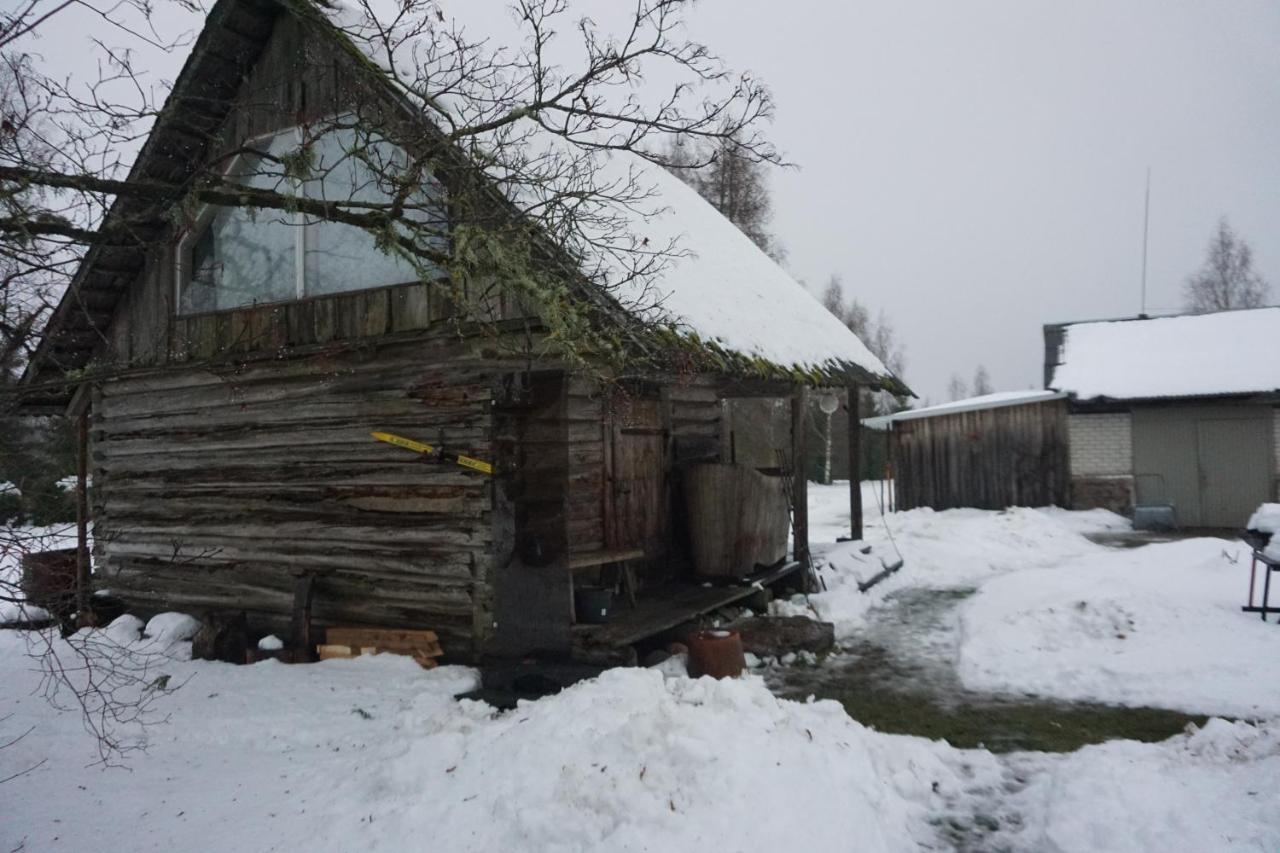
(215, 488)
(990, 459)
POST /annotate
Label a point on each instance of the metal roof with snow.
(998, 400)
(1192, 355)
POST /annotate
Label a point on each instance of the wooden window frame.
(186, 241)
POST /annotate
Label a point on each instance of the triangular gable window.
(235, 257)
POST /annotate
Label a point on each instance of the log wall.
(990, 459)
(217, 488)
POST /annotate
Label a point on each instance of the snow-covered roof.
(717, 285)
(1194, 355)
(725, 288)
(998, 400)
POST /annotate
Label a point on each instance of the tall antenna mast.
(1146, 219)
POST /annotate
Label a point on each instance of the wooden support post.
(800, 482)
(83, 579)
(855, 464)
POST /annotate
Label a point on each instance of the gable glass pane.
(349, 166)
(242, 256)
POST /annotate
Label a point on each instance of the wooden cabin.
(226, 423)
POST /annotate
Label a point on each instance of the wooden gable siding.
(298, 78)
(217, 489)
(989, 459)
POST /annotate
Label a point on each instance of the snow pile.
(70, 484)
(1212, 789)
(166, 629)
(1224, 353)
(366, 753)
(633, 761)
(20, 612)
(1265, 519)
(123, 630)
(1159, 625)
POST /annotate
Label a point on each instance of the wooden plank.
(426, 643)
(590, 559)
(332, 651)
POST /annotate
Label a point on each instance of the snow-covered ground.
(1158, 625)
(943, 550)
(375, 754)
(1213, 789)
(1058, 615)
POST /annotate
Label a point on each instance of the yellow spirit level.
(440, 453)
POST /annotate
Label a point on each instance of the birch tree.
(1227, 280)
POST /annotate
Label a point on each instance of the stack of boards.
(422, 646)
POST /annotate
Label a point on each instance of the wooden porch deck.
(667, 606)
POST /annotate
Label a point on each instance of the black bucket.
(593, 605)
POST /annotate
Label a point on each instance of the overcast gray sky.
(976, 169)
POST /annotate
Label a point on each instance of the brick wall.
(1101, 445)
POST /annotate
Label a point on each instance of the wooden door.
(636, 488)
